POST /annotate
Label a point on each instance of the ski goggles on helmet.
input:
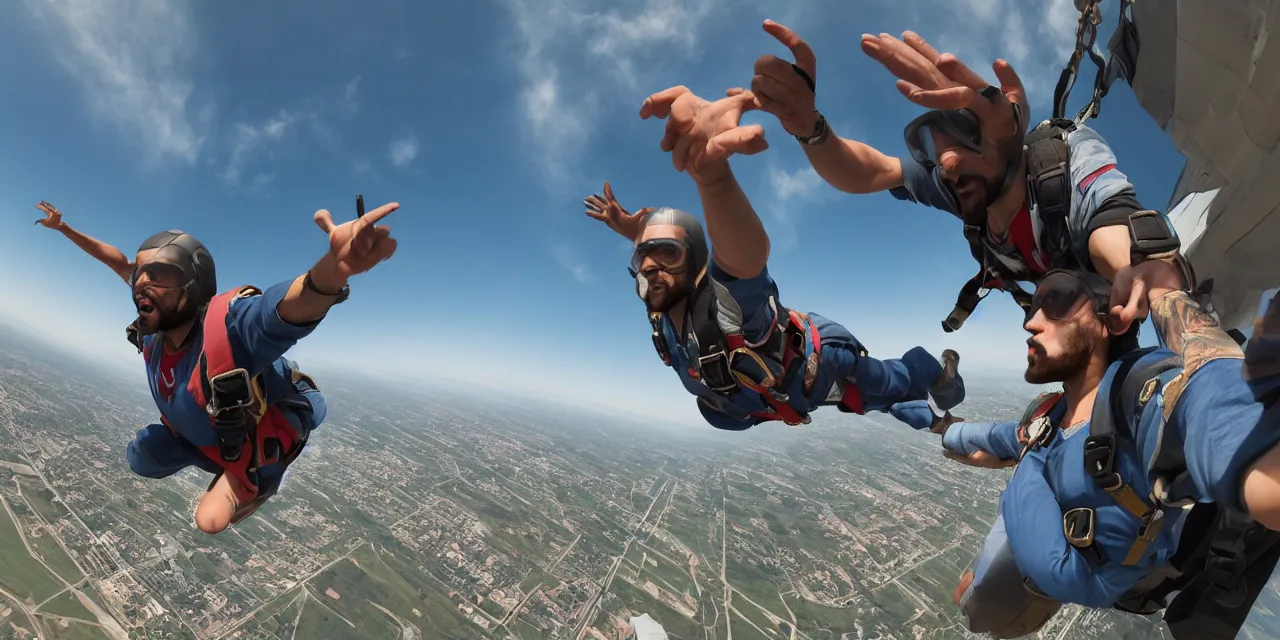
(160, 275)
(668, 253)
(925, 133)
(1060, 291)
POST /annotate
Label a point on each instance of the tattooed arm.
(1190, 332)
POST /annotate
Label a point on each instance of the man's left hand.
(701, 135)
(357, 246)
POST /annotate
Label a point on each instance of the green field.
(20, 574)
(67, 605)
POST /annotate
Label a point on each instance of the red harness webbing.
(217, 358)
(780, 410)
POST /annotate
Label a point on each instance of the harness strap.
(793, 356)
(1107, 425)
(251, 432)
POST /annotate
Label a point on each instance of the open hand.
(702, 135)
(359, 245)
(941, 81)
(52, 217)
(607, 210)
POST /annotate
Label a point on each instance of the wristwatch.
(341, 295)
(820, 131)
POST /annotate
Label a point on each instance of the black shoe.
(950, 368)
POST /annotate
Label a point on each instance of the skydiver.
(1153, 471)
(716, 315)
(230, 403)
(971, 156)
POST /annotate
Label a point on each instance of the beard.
(1076, 351)
(160, 318)
(666, 296)
(983, 192)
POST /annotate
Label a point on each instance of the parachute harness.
(1121, 63)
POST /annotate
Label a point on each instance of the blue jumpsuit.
(259, 338)
(886, 385)
(1221, 429)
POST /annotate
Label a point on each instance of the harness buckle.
(1099, 459)
(1149, 526)
(230, 397)
(1077, 526)
(769, 381)
(716, 373)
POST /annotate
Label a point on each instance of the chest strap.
(1109, 425)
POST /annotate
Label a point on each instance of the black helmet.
(184, 251)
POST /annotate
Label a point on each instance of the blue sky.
(488, 122)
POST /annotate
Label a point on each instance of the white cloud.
(350, 93)
(574, 61)
(403, 151)
(250, 140)
(569, 262)
(791, 192)
(801, 183)
(1035, 36)
(131, 56)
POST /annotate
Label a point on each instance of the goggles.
(160, 275)
(668, 253)
(923, 134)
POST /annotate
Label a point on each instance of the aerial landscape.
(420, 514)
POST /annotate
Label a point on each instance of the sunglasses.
(669, 254)
(1060, 292)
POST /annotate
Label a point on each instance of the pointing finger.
(805, 59)
(324, 220)
(371, 218)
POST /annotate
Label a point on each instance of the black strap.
(1049, 174)
(1112, 411)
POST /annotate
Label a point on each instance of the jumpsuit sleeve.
(752, 297)
(259, 336)
(1000, 439)
(1225, 430)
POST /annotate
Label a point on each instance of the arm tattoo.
(1193, 334)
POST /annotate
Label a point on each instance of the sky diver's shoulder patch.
(1083, 187)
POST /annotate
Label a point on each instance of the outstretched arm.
(739, 243)
(101, 251)
(268, 325)
(983, 444)
(701, 136)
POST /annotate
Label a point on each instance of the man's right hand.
(701, 135)
(780, 90)
(52, 217)
(607, 210)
